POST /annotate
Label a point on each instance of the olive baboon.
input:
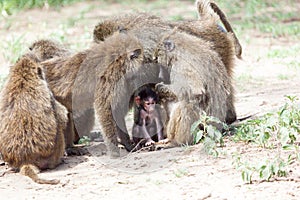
(46, 49)
(195, 65)
(32, 121)
(61, 73)
(105, 81)
(148, 123)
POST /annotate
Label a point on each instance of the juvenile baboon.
(32, 121)
(148, 123)
(46, 49)
(195, 65)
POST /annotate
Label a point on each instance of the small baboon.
(46, 49)
(32, 121)
(148, 123)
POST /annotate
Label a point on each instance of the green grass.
(13, 48)
(8, 7)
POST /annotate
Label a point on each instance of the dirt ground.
(178, 173)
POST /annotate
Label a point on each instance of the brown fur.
(149, 28)
(32, 121)
(204, 7)
(105, 78)
(61, 73)
(197, 67)
(184, 113)
(46, 49)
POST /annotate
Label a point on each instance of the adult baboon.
(32, 121)
(109, 76)
(60, 74)
(195, 65)
(61, 70)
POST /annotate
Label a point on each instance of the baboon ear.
(169, 45)
(135, 54)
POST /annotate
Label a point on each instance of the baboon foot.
(113, 150)
(149, 142)
(164, 141)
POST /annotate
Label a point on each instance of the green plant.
(265, 169)
(7, 7)
(84, 140)
(205, 130)
(277, 130)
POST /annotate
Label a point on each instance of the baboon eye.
(122, 29)
(30, 48)
(169, 45)
(135, 54)
(40, 73)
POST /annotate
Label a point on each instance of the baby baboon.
(194, 64)
(147, 118)
(46, 49)
(32, 121)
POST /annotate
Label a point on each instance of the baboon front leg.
(109, 132)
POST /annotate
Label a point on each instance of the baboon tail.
(238, 46)
(32, 172)
(208, 9)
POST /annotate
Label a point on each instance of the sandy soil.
(178, 173)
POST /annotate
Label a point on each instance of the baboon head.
(28, 68)
(46, 49)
